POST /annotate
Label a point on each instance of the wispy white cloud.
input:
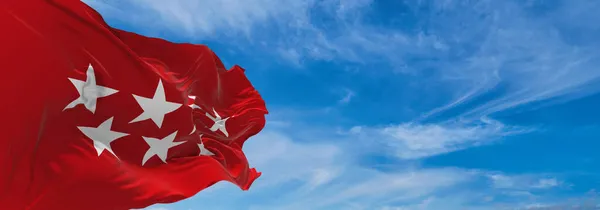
(347, 96)
(522, 55)
(330, 175)
(414, 141)
(279, 155)
(587, 202)
(523, 182)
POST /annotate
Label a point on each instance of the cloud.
(547, 183)
(522, 182)
(522, 55)
(280, 156)
(348, 95)
(414, 141)
(329, 175)
(587, 202)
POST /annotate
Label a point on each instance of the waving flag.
(99, 118)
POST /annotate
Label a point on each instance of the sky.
(403, 104)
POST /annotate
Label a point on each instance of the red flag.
(99, 118)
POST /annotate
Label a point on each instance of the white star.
(160, 147)
(193, 130)
(88, 91)
(155, 108)
(193, 105)
(219, 123)
(102, 136)
(204, 151)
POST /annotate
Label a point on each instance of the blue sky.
(398, 104)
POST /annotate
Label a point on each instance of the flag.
(95, 117)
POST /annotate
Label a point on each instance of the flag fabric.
(95, 117)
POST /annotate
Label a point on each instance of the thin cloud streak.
(417, 141)
(525, 57)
